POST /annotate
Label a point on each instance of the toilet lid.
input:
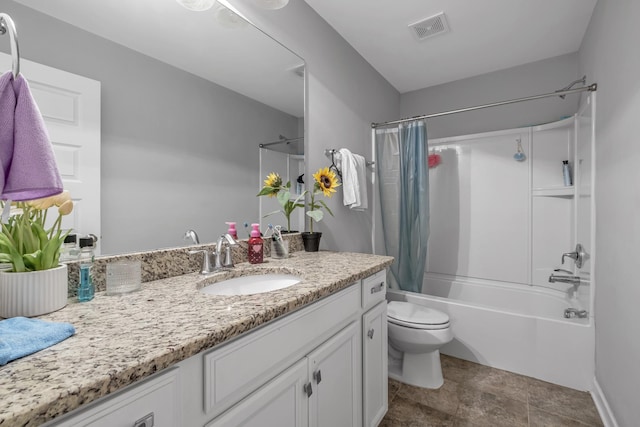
(416, 316)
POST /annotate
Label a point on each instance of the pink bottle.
(256, 246)
(232, 230)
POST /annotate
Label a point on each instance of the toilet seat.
(415, 316)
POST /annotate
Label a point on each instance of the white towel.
(354, 180)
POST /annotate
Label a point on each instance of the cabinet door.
(334, 370)
(374, 365)
(281, 402)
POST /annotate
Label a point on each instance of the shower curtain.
(403, 176)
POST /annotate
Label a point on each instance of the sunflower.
(327, 181)
(273, 182)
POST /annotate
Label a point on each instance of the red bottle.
(256, 246)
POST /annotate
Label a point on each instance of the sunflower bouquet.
(273, 187)
(25, 243)
(325, 183)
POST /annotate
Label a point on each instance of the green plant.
(273, 187)
(25, 243)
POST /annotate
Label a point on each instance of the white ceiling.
(242, 59)
(485, 35)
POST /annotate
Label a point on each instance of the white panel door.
(335, 377)
(281, 402)
(70, 106)
(375, 383)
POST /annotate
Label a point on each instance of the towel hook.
(6, 24)
(332, 152)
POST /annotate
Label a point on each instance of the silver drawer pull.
(370, 333)
(317, 375)
(307, 389)
(146, 421)
(377, 288)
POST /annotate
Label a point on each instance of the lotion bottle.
(256, 246)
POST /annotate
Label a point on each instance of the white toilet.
(416, 333)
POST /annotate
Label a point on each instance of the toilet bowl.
(418, 333)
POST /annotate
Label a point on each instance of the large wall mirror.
(185, 100)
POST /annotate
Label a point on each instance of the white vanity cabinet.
(374, 349)
(322, 366)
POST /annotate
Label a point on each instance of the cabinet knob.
(308, 389)
(370, 333)
(146, 421)
(317, 375)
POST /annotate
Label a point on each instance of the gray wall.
(178, 152)
(609, 56)
(344, 95)
(525, 80)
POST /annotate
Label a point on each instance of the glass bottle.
(86, 288)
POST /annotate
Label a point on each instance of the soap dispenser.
(232, 230)
(256, 246)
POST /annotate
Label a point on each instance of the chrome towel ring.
(6, 24)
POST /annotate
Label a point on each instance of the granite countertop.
(122, 339)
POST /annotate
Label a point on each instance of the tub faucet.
(570, 313)
(572, 280)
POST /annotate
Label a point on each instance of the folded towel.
(31, 172)
(20, 336)
(354, 180)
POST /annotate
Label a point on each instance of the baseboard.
(603, 406)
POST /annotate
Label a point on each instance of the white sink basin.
(247, 285)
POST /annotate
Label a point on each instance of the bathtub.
(513, 327)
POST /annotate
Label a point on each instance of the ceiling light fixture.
(271, 4)
(197, 5)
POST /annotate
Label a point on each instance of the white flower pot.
(33, 293)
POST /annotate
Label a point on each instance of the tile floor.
(477, 395)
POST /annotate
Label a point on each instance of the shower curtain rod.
(282, 140)
(591, 88)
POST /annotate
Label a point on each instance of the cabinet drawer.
(237, 369)
(156, 401)
(374, 289)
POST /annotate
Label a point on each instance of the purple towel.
(29, 169)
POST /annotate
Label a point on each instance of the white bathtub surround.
(521, 330)
(416, 334)
(499, 229)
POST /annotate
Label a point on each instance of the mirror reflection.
(177, 102)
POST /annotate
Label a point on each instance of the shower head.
(583, 80)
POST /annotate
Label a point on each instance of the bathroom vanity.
(312, 354)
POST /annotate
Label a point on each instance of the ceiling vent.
(430, 27)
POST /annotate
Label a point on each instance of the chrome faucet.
(193, 236)
(570, 313)
(572, 280)
(228, 258)
(206, 260)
